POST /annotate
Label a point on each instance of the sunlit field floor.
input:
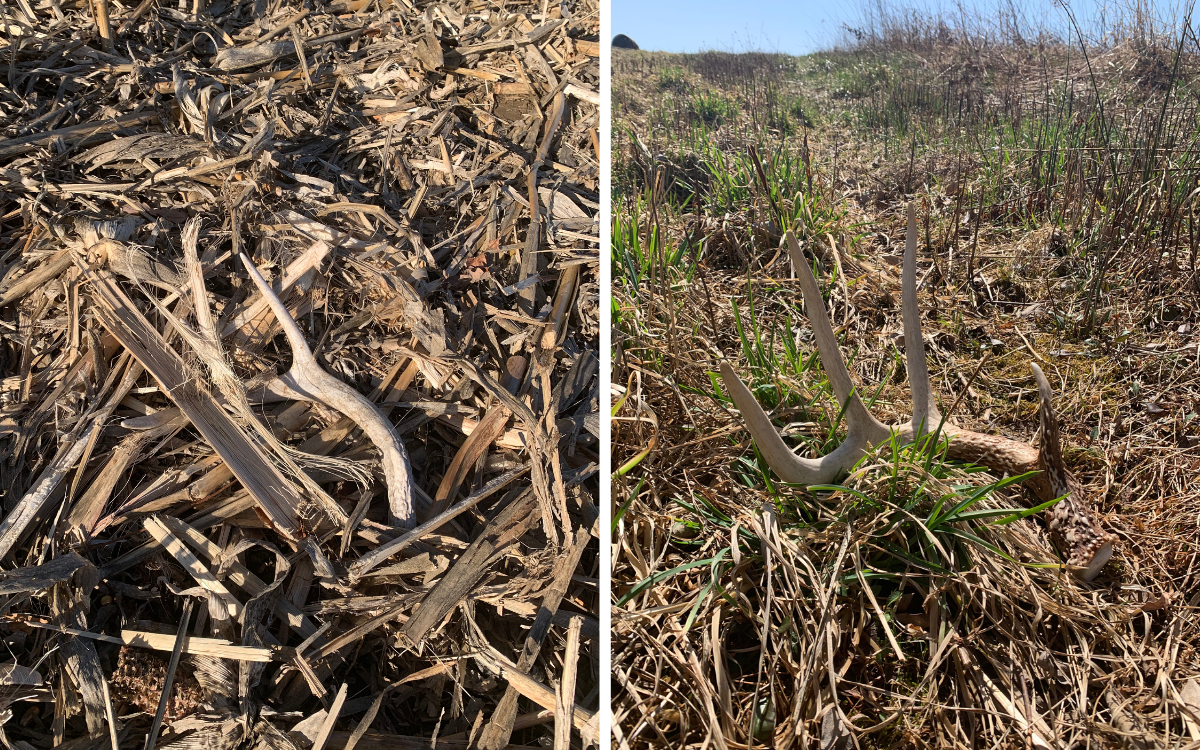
(1056, 194)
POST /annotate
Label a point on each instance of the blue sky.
(801, 26)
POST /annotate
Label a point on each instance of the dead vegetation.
(299, 406)
(915, 602)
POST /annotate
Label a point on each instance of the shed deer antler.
(307, 380)
(1073, 523)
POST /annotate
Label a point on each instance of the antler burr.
(1073, 523)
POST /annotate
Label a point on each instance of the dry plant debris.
(299, 407)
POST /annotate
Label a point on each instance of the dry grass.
(750, 613)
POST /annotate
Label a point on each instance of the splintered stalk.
(311, 382)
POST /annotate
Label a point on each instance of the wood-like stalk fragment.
(533, 689)
(101, 8)
(307, 379)
(566, 690)
(217, 647)
(188, 560)
(165, 699)
(367, 562)
(279, 500)
(500, 726)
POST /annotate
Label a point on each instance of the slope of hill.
(1057, 193)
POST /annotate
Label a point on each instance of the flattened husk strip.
(230, 508)
(358, 631)
(373, 558)
(566, 690)
(507, 527)
(37, 277)
(277, 497)
(524, 721)
(527, 686)
(68, 607)
(240, 575)
(43, 576)
(376, 741)
(331, 719)
(16, 146)
(86, 512)
(476, 444)
(16, 523)
(258, 307)
(538, 444)
(486, 432)
(177, 549)
(102, 349)
(132, 371)
(217, 647)
(533, 237)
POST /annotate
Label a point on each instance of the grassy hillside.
(1056, 193)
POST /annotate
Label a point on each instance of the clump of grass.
(642, 256)
(711, 108)
(671, 78)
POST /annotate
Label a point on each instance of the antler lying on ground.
(307, 380)
(1074, 524)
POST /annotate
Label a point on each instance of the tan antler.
(1072, 520)
(1073, 523)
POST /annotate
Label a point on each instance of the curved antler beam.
(1073, 523)
(1072, 520)
(308, 380)
(787, 465)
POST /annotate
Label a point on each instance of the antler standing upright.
(1073, 523)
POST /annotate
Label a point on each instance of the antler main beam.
(307, 380)
(1073, 522)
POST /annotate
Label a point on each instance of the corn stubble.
(299, 381)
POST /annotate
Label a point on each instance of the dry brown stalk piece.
(276, 496)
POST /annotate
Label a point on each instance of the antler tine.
(1051, 447)
(1083, 542)
(857, 415)
(862, 428)
(925, 411)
